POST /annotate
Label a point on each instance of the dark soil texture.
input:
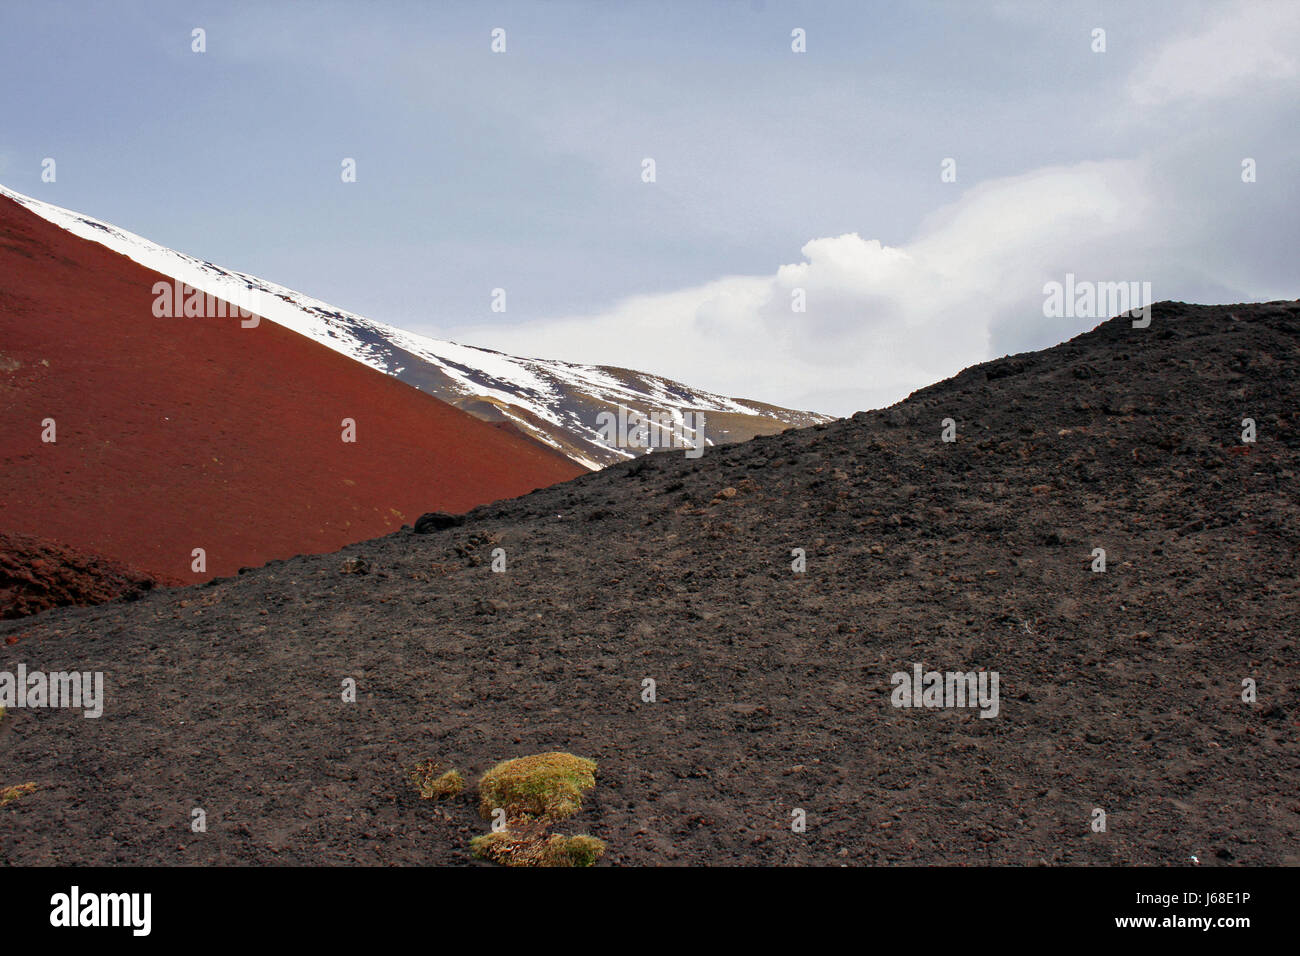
(1120, 691)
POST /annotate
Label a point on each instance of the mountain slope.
(556, 402)
(1120, 690)
(180, 433)
(36, 575)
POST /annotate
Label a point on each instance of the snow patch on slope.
(541, 389)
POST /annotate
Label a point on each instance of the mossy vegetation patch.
(544, 786)
(524, 797)
(513, 849)
(434, 783)
(10, 794)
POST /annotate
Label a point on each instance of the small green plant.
(545, 786)
(579, 850)
(499, 847)
(10, 794)
(556, 850)
(533, 793)
(434, 785)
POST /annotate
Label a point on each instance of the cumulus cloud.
(1156, 198)
(880, 320)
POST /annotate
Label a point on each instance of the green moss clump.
(511, 850)
(571, 851)
(535, 792)
(10, 794)
(434, 785)
(497, 846)
(545, 786)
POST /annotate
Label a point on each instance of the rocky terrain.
(37, 575)
(1121, 690)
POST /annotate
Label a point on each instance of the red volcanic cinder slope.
(183, 433)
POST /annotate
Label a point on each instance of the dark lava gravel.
(1119, 691)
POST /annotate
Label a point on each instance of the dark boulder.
(437, 521)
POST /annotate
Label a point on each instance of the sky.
(778, 175)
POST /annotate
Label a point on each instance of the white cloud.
(1248, 43)
(881, 320)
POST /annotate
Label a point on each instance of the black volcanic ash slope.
(1119, 691)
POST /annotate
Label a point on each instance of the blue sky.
(774, 169)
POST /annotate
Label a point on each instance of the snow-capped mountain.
(555, 402)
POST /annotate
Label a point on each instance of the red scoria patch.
(37, 575)
(182, 433)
